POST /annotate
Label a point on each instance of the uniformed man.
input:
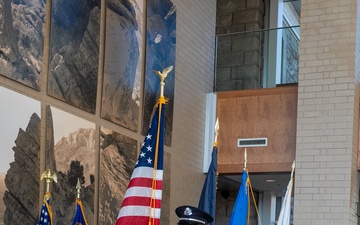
(192, 215)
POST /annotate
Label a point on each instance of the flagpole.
(160, 102)
(215, 143)
(245, 159)
(292, 169)
(216, 132)
(247, 187)
(78, 188)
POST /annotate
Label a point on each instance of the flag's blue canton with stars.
(142, 200)
(147, 154)
(45, 218)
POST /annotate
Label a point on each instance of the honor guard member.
(192, 215)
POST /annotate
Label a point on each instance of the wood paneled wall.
(269, 113)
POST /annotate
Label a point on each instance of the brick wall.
(195, 49)
(326, 180)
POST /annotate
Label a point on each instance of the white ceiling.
(258, 182)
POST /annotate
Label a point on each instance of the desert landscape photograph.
(14, 120)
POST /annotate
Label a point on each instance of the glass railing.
(257, 59)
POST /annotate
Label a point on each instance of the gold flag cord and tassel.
(161, 101)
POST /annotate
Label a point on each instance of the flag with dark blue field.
(45, 213)
(207, 200)
(80, 218)
(240, 212)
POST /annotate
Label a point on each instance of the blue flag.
(207, 200)
(45, 213)
(79, 215)
(241, 207)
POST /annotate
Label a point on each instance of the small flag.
(240, 212)
(45, 213)
(142, 200)
(80, 218)
(207, 200)
(284, 216)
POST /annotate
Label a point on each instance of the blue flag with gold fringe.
(80, 218)
(240, 212)
(207, 200)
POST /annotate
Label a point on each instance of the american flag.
(45, 213)
(142, 200)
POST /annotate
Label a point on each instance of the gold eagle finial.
(164, 72)
(48, 175)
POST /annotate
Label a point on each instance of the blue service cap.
(192, 215)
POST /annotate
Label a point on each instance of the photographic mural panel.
(19, 161)
(70, 153)
(118, 155)
(22, 40)
(160, 53)
(123, 63)
(74, 52)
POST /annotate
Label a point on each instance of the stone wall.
(233, 16)
(239, 55)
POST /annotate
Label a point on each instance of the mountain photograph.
(22, 40)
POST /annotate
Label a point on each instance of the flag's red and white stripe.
(136, 207)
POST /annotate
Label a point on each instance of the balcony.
(257, 59)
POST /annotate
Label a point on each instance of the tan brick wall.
(326, 183)
(195, 49)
